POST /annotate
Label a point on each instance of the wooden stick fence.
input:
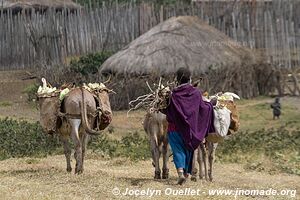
(50, 38)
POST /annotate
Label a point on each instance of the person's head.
(183, 75)
(277, 99)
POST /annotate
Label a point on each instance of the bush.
(279, 147)
(90, 63)
(24, 139)
(101, 144)
(132, 146)
(31, 91)
(5, 103)
(135, 147)
(19, 139)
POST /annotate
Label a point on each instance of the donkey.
(155, 125)
(80, 115)
(205, 153)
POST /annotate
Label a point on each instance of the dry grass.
(33, 178)
(47, 179)
(257, 114)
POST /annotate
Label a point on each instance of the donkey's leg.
(155, 155)
(75, 123)
(194, 165)
(84, 140)
(203, 162)
(165, 151)
(211, 151)
(67, 151)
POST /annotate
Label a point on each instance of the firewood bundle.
(157, 99)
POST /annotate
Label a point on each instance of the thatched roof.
(19, 5)
(184, 41)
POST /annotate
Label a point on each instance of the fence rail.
(27, 40)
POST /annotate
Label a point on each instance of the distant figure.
(276, 108)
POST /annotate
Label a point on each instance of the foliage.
(264, 150)
(90, 63)
(31, 92)
(103, 145)
(133, 146)
(23, 139)
(5, 104)
(19, 139)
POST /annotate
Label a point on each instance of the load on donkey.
(184, 41)
(74, 112)
(226, 122)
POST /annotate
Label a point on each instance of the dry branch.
(155, 100)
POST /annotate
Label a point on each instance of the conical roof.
(183, 41)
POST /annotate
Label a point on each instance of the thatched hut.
(16, 6)
(220, 63)
(184, 41)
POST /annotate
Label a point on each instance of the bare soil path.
(46, 178)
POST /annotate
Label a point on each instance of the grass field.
(46, 178)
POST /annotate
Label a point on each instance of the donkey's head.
(105, 108)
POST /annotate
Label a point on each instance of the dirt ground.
(46, 178)
(13, 100)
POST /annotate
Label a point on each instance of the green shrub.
(101, 144)
(132, 146)
(31, 91)
(280, 147)
(5, 104)
(135, 147)
(24, 139)
(90, 63)
(19, 139)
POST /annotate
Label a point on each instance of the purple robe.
(192, 117)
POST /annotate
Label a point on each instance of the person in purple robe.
(189, 121)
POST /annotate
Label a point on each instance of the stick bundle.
(154, 101)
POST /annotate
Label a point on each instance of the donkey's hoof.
(165, 174)
(203, 178)
(69, 169)
(194, 178)
(78, 171)
(157, 175)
